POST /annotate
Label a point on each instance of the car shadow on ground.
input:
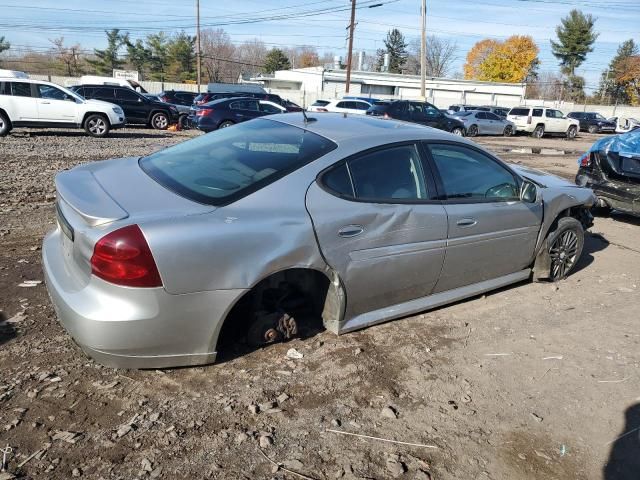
(593, 242)
(624, 457)
(7, 331)
(623, 217)
(130, 132)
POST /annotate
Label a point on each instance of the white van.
(96, 80)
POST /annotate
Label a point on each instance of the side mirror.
(528, 192)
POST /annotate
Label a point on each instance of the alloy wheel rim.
(473, 131)
(97, 126)
(507, 131)
(161, 121)
(458, 132)
(563, 253)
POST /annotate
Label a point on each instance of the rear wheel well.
(301, 293)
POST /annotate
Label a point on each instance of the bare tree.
(218, 56)
(68, 56)
(303, 57)
(251, 53)
(440, 56)
(548, 86)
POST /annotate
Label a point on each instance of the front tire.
(593, 129)
(183, 121)
(5, 125)
(160, 121)
(472, 131)
(538, 132)
(572, 133)
(458, 131)
(97, 125)
(565, 245)
(508, 131)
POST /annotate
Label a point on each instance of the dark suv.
(417, 112)
(138, 109)
(593, 122)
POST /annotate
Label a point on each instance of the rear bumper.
(134, 327)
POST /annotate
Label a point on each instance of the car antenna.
(307, 119)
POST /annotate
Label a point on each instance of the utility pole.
(198, 66)
(423, 49)
(352, 26)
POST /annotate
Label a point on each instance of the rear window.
(228, 164)
(380, 107)
(519, 111)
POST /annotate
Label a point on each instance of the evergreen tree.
(397, 50)
(4, 45)
(107, 60)
(276, 60)
(158, 46)
(138, 56)
(379, 63)
(575, 39)
(182, 58)
(610, 88)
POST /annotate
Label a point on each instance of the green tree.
(611, 88)
(4, 45)
(107, 60)
(158, 46)
(276, 60)
(576, 36)
(182, 58)
(396, 47)
(138, 56)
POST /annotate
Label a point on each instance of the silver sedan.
(485, 123)
(253, 231)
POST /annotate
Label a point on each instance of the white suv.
(345, 106)
(539, 121)
(35, 103)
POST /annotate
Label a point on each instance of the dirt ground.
(535, 381)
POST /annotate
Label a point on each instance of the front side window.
(469, 174)
(431, 111)
(388, 175)
(223, 166)
(20, 89)
(52, 93)
(127, 95)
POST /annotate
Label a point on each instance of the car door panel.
(489, 235)
(23, 101)
(52, 108)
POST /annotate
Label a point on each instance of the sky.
(322, 23)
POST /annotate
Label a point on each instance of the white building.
(319, 82)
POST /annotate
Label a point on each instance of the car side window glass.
(265, 107)
(51, 93)
(20, 89)
(492, 116)
(252, 105)
(338, 180)
(549, 114)
(127, 96)
(391, 174)
(104, 92)
(5, 88)
(537, 112)
(341, 105)
(430, 110)
(481, 115)
(469, 174)
(362, 106)
(558, 114)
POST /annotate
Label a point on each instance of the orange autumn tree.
(509, 61)
(476, 57)
(628, 74)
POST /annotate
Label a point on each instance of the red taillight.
(529, 120)
(123, 257)
(585, 160)
(205, 112)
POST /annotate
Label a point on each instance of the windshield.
(225, 165)
(597, 116)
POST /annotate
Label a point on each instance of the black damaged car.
(611, 168)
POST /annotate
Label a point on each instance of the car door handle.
(349, 231)
(466, 222)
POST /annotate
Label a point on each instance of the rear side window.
(468, 174)
(537, 112)
(386, 175)
(519, 111)
(20, 89)
(228, 164)
(5, 88)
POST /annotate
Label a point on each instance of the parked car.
(500, 111)
(137, 108)
(461, 108)
(225, 112)
(540, 121)
(359, 107)
(418, 112)
(624, 124)
(178, 97)
(611, 168)
(291, 106)
(257, 229)
(366, 99)
(318, 104)
(39, 104)
(593, 122)
(485, 123)
(271, 97)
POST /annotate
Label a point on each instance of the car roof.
(374, 131)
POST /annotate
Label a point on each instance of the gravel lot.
(535, 381)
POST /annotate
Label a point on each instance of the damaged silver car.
(256, 228)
